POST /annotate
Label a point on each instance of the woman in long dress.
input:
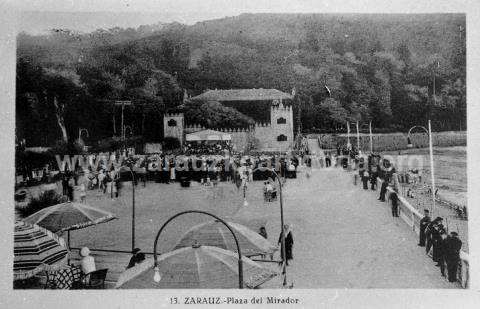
(288, 243)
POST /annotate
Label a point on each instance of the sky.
(190, 12)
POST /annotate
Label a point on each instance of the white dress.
(88, 264)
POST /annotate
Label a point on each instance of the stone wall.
(263, 136)
(394, 141)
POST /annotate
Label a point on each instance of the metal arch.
(81, 130)
(240, 265)
(282, 231)
(421, 127)
(131, 130)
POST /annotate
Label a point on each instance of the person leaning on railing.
(452, 245)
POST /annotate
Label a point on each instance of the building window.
(281, 120)
(172, 123)
(281, 138)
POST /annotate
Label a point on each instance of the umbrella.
(68, 216)
(35, 250)
(216, 234)
(195, 267)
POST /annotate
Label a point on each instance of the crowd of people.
(444, 247)
(208, 148)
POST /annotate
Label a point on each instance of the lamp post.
(430, 144)
(157, 276)
(348, 134)
(130, 168)
(282, 237)
(370, 134)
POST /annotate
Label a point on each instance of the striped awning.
(35, 250)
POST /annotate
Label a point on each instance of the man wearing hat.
(452, 246)
(423, 225)
(437, 232)
(136, 258)
(428, 234)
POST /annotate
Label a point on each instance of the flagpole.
(431, 163)
(348, 133)
(371, 136)
(358, 139)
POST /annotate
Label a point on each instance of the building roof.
(208, 135)
(243, 95)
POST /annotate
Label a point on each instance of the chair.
(95, 279)
(49, 283)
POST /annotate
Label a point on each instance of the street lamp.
(369, 133)
(130, 168)
(282, 237)
(430, 144)
(157, 277)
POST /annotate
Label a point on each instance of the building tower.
(281, 117)
(173, 126)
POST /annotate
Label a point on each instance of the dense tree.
(383, 69)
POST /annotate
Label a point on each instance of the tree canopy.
(344, 67)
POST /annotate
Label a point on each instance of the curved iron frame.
(240, 263)
(429, 133)
(284, 268)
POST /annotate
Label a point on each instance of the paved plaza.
(344, 237)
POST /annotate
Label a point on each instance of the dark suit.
(288, 245)
(423, 225)
(452, 246)
(394, 199)
(428, 236)
(437, 241)
(383, 189)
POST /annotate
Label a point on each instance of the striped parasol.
(196, 267)
(216, 234)
(68, 216)
(35, 250)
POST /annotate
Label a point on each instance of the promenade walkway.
(345, 238)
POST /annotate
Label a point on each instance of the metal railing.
(412, 217)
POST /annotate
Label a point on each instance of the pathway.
(345, 238)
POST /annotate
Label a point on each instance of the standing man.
(423, 225)
(428, 235)
(437, 232)
(373, 177)
(394, 198)
(383, 188)
(288, 243)
(452, 248)
(441, 254)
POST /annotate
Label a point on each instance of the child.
(83, 193)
